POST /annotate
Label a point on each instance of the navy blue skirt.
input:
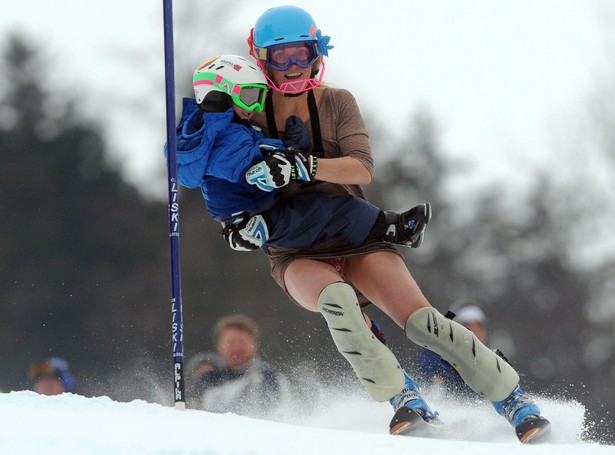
(306, 220)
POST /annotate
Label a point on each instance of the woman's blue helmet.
(284, 24)
(284, 36)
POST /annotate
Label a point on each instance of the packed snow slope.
(330, 424)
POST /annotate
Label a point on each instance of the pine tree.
(82, 256)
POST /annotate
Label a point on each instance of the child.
(217, 147)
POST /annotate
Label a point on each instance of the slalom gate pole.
(177, 326)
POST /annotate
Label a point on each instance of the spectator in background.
(51, 377)
(235, 378)
(433, 370)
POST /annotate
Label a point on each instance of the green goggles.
(251, 97)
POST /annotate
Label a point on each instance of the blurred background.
(501, 115)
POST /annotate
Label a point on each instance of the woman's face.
(293, 74)
(288, 62)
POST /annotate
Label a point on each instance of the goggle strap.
(260, 53)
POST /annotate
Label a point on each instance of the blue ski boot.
(410, 408)
(523, 414)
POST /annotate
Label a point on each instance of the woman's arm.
(345, 140)
(345, 170)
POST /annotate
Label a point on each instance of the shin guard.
(375, 365)
(481, 368)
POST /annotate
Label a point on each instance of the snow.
(332, 423)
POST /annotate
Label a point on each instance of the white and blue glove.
(280, 167)
(247, 236)
(271, 173)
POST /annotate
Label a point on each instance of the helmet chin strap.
(298, 87)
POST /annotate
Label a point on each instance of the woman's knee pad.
(375, 365)
(482, 369)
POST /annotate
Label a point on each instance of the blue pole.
(177, 326)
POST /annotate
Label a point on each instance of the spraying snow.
(331, 422)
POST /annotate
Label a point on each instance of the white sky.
(498, 75)
(331, 423)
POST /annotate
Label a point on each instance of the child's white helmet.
(234, 76)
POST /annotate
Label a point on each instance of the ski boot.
(407, 228)
(524, 415)
(410, 408)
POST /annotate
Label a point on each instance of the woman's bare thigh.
(306, 278)
(384, 279)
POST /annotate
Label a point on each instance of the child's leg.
(407, 228)
(305, 220)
